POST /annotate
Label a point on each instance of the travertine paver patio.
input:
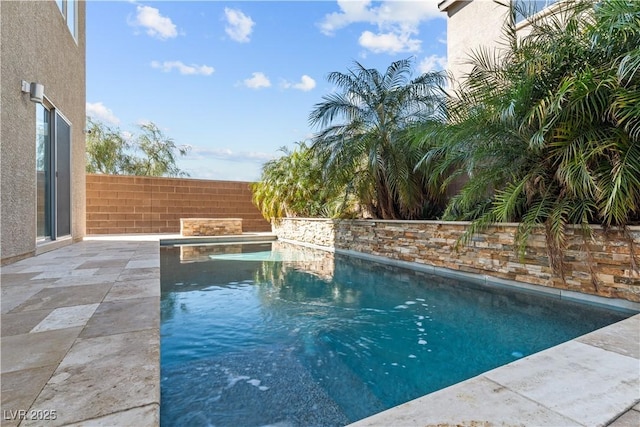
(80, 336)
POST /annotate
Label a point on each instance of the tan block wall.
(210, 226)
(134, 204)
(607, 255)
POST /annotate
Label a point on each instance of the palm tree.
(548, 129)
(363, 137)
(292, 186)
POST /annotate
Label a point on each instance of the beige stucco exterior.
(474, 24)
(37, 46)
(471, 24)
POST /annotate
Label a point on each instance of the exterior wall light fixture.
(35, 91)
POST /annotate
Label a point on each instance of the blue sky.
(236, 80)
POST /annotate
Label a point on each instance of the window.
(528, 8)
(43, 173)
(69, 9)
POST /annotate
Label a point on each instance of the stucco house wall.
(474, 24)
(470, 24)
(37, 46)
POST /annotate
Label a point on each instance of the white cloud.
(98, 111)
(239, 26)
(389, 42)
(257, 81)
(406, 15)
(156, 25)
(432, 63)
(128, 136)
(350, 12)
(306, 84)
(201, 153)
(396, 22)
(224, 171)
(192, 69)
(143, 122)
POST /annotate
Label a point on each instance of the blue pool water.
(253, 335)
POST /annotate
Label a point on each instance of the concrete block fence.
(119, 204)
(607, 256)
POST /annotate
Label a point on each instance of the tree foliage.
(151, 153)
(363, 140)
(547, 127)
(292, 185)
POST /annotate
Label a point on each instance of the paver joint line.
(120, 411)
(499, 385)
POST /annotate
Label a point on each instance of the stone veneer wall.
(210, 226)
(308, 230)
(492, 252)
(119, 204)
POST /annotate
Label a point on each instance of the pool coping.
(533, 391)
(592, 380)
(203, 240)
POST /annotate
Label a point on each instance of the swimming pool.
(270, 334)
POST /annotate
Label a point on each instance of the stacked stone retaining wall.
(210, 226)
(605, 257)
